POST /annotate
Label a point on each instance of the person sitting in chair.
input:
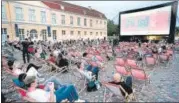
(88, 67)
(32, 70)
(35, 94)
(126, 85)
(61, 62)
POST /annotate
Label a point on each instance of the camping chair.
(150, 61)
(140, 74)
(120, 61)
(122, 70)
(131, 63)
(22, 92)
(115, 89)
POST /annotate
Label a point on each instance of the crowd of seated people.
(57, 52)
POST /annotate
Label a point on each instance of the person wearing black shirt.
(61, 62)
(25, 53)
(126, 85)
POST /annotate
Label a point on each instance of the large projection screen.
(147, 22)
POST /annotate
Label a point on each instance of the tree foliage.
(177, 31)
(112, 28)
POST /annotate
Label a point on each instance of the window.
(63, 19)
(96, 21)
(71, 20)
(19, 14)
(85, 33)
(71, 32)
(100, 22)
(101, 33)
(85, 22)
(21, 34)
(96, 33)
(31, 14)
(104, 23)
(54, 18)
(4, 30)
(54, 34)
(91, 33)
(79, 33)
(43, 17)
(78, 21)
(63, 32)
(91, 23)
(44, 32)
(3, 12)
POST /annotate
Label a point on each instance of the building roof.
(64, 6)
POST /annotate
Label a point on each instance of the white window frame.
(71, 20)
(54, 20)
(63, 19)
(91, 33)
(85, 22)
(32, 16)
(21, 34)
(79, 32)
(19, 16)
(71, 32)
(91, 23)
(96, 33)
(85, 33)
(54, 34)
(63, 32)
(43, 17)
(78, 21)
(4, 16)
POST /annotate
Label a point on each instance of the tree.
(112, 28)
(177, 31)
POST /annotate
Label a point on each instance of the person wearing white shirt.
(39, 95)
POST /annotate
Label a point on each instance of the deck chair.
(150, 61)
(120, 61)
(132, 63)
(122, 70)
(140, 74)
(22, 92)
(115, 89)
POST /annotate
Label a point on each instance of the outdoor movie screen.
(148, 22)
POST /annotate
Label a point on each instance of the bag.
(91, 86)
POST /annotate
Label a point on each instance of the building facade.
(52, 21)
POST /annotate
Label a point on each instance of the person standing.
(25, 52)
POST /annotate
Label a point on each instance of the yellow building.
(44, 20)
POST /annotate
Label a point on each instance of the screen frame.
(146, 9)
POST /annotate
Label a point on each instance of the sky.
(112, 8)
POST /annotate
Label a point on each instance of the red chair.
(120, 61)
(139, 74)
(150, 61)
(94, 64)
(163, 57)
(99, 58)
(23, 93)
(132, 63)
(122, 70)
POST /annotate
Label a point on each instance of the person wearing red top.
(51, 58)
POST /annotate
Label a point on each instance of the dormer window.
(62, 7)
(100, 15)
(84, 12)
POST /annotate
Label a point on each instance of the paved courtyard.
(163, 87)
